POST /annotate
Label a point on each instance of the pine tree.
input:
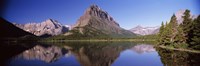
(195, 43)
(160, 35)
(186, 25)
(179, 38)
(167, 34)
(169, 31)
(173, 27)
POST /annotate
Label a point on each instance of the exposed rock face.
(145, 30)
(179, 15)
(48, 27)
(8, 30)
(96, 12)
(96, 22)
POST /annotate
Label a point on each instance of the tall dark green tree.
(179, 38)
(195, 43)
(173, 27)
(167, 34)
(187, 25)
(160, 35)
(187, 34)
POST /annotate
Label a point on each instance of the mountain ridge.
(48, 27)
(145, 30)
(96, 22)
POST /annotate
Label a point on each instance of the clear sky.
(128, 13)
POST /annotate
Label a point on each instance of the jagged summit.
(96, 21)
(48, 27)
(94, 10)
(180, 13)
(138, 26)
(145, 30)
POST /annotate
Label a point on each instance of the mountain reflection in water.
(47, 54)
(142, 48)
(98, 54)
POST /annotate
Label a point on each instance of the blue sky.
(128, 13)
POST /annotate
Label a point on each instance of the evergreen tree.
(179, 38)
(187, 34)
(173, 28)
(167, 34)
(195, 43)
(186, 25)
(160, 35)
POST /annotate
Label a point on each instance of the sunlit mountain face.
(95, 22)
(99, 33)
(48, 27)
(145, 30)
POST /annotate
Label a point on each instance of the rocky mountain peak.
(96, 21)
(180, 13)
(139, 26)
(145, 30)
(51, 23)
(96, 11)
(48, 27)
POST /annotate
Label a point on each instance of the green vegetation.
(186, 35)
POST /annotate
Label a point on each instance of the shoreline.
(141, 40)
(101, 40)
(180, 49)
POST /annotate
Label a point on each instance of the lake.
(94, 54)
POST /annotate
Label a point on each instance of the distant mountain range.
(94, 23)
(145, 30)
(49, 27)
(97, 22)
(154, 30)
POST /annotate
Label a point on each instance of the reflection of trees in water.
(178, 58)
(103, 54)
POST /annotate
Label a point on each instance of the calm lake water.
(95, 54)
